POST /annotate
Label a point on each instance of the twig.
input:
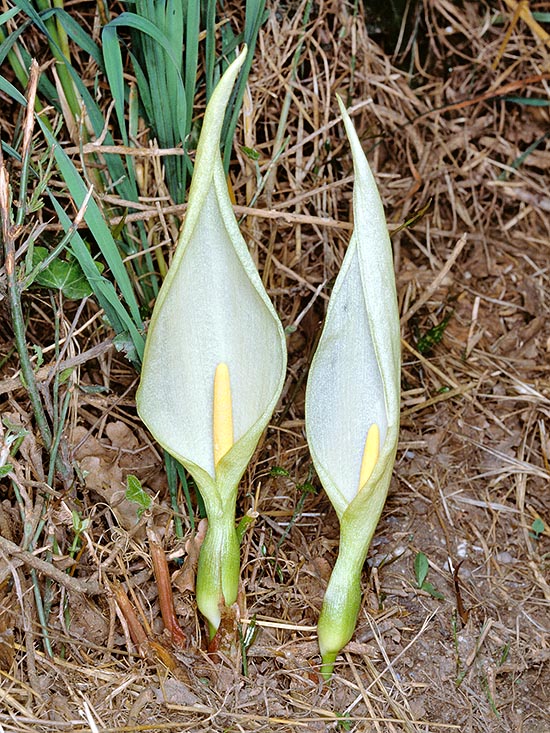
(522, 9)
(23, 557)
(166, 599)
(14, 296)
(45, 372)
(437, 281)
(485, 96)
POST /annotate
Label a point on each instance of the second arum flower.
(352, 400)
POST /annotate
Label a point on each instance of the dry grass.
(472, 472)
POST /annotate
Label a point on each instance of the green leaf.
(4, 470)
(306, 488)
(429, 588)
(433, 336)
(136, 493)
(529, 101)
(250, 153)
(65, 375)
(39, 355)
(79, 525)
(538, 528)
(98, 227)
(119, 318)
(61, 275)
(278, 471)
(91, 388)
(421, 568)
(344, 721)
(77, 33)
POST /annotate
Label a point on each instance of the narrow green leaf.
(8, 88)
(210, 60)
(8, 15)
(75, 31)
(104, 291)
(192, 20)
(529, 101)
(113, 63)
(255, 16)
(98, 227)
(421, 567)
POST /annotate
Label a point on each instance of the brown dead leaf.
(132, 457)
(6, 650)
(103, 474)
(10, 521)
(175, 692)
(106, 464)
(121, 436)
(88, 621)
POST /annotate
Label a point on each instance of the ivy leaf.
(63, 275)
(136, 493)
(537, 529)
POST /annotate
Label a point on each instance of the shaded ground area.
(448, 118)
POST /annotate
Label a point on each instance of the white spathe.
(345, 390)
(212, 308)
(212, 312)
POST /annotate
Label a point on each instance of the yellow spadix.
(222, 413)
(370, 455)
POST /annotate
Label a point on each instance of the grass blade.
(97, 224)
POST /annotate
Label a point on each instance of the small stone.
(505, 558)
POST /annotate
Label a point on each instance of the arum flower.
(352, 400)
(214, 360)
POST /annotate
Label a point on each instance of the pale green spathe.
(354, 381)
(212, 308)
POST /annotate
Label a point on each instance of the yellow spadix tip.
(370, 455)
(222, 413)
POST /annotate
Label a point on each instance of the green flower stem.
(219, 567)
(342, 601)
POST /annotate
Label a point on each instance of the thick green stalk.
(219, 567)
(341, 602)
